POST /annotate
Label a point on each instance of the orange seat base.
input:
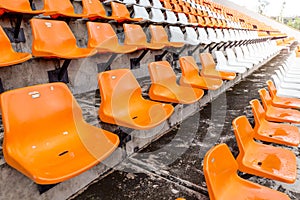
(278, 133)
(277, 114)
(286, 102)
(219, 75)
(270, 162)
(202, 82)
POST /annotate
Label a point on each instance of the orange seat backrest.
(243, 132)
(101, 35)
(158, 34)
(258, 112)
(265, 98)
(6, 47)
(54, 100)
(176, 8)
(214, 21)
(51, 35)
(188, 66)
(64, 6)
(218, 166)
(192, 18)
(93, 7)
(119, 10)
(14, 5)
(162, 72)
(224, 22)
(207, 61)
(185, 9)
(201, 21)
(208, 21)
(167, 5)
(134, 35)
(180, 2)
(172, 1)
(272, 89)
(117, 88)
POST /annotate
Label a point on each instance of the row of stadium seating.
(271, 125)
(204, 14)
(103, 39)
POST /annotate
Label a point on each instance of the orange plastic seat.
(120, 13)
(278, 114)
(220, 171)
(167, 5)
(103, 37)
(122, 102)
(190, 75)
(17, 6)
(201, 21)
(185, 9)
(209, 68)
(46, 137)
(279, 133)
(135, 36)
(208, 21)
(55, 39)
(8, 56)
(283, 102)
(93, 9)
(260, 159)
(192, 19)
(180, 2)
(160, 36)
(193, 11)
(176, 8)
(164, 86)
(60, 8)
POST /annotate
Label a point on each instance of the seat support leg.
(206, 47)
(160, 57)
(241, 43)
(233, 44)
(135, 62)
(1, 87)
(18, 27)
(32, 5)
(177, 54)
(228, 45)
(220, 47)
(213, 47)
(124, 137)
(45, 188)
(106, 66)
(60, 74)
(15, 33)
(191, 52)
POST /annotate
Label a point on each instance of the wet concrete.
(171, 167)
